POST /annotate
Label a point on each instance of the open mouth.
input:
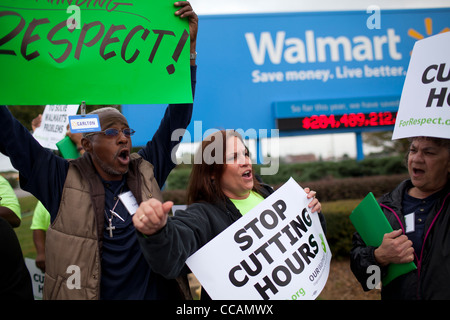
(247, 174)
(124, 156)
(417, 171)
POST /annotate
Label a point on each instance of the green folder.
(371, 223)
(67, 148)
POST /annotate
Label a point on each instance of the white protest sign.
(278, 250)
(37, 278)
(425, 102)
(54, 123)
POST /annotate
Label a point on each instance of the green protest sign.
(98, 51)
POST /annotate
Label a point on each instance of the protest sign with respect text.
(101, 52)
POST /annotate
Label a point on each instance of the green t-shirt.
(8, 197)
(41, 218)
(248, 204)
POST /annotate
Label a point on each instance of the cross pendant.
(110, 228)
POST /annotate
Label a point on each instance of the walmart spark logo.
(428, 29)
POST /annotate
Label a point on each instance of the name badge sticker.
(129, 201)
(410, 222)
(84, 123)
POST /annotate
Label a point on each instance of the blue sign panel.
(247, 64)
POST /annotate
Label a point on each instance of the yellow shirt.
(245, 205)
(8, 198)
(41, 218)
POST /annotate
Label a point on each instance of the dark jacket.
(431, 280)
(15, 280)
(189, 230)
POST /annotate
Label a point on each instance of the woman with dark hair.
(222, 188)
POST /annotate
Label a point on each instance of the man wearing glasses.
(92, 250)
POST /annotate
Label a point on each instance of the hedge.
(320, 170)
(339, 227)
(353, 188)
(312, 171)
(329, 189)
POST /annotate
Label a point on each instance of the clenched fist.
(151, 216)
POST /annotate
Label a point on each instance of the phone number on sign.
(349, 120)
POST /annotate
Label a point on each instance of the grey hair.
(441, 142)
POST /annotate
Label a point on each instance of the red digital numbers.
(349, 120)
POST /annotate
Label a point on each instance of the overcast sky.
(259, 6)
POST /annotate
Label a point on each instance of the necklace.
(110, 228)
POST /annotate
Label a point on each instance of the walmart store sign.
(295, 50)
(256, 69)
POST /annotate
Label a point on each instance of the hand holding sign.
(314, 205)
(151, 216)
(186, 11)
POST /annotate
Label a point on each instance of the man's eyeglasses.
(111, 132)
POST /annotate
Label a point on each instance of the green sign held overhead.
(98, 51)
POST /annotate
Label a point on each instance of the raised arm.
(158, 151)
(41, 172)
